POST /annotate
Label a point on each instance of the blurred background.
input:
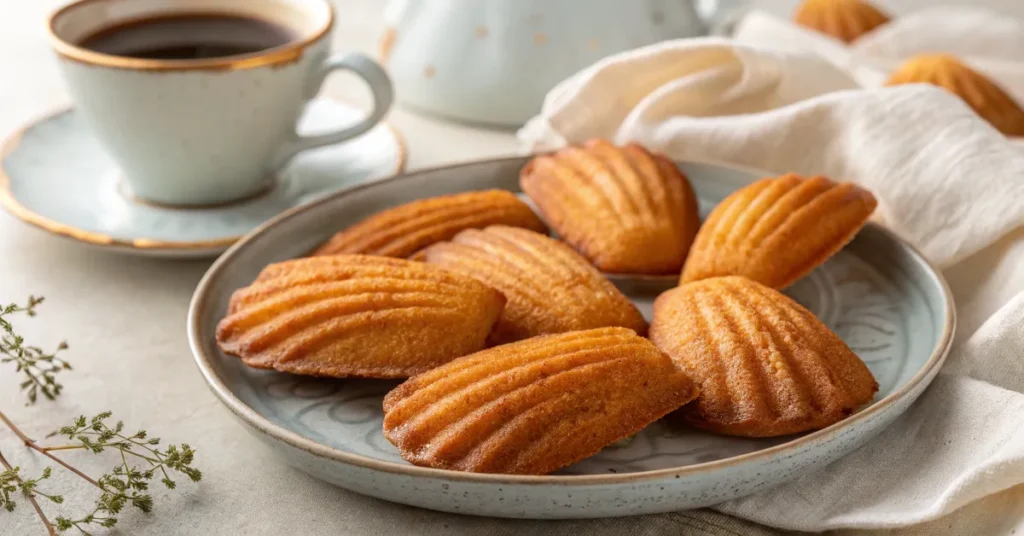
(30, 84)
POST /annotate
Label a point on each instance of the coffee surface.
(188, 37)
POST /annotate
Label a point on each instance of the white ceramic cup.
(206, 131)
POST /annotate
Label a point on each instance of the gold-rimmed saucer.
(55, 175)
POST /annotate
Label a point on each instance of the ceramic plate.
(55, 175)
(878, 294)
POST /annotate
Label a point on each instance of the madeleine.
(404, 230)
(357, 315)
(765, 365)
(549, 287)
(625, 209)
(777, 230)
(987, 99)
(534, 406)
(845, 20)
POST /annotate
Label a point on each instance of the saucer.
(55, 175)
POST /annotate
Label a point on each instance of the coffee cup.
(197, 101)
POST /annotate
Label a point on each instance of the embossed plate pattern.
(878, 294)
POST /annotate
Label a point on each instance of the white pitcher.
(492, 61)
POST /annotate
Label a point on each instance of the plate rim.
(260, 423)
(12, 141)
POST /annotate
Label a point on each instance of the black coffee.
(188, 37)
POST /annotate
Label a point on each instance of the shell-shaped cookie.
(549, 287)
(403, 230)
(845, 20)
(625, 209)
(987, 99)
(765, 366)
(777, 230)
(357, 315)
(533, 406)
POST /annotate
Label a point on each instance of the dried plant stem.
(62, 447)
(15, 429)
(30, 496)
(29, 442)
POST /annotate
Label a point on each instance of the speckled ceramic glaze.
(212, 130)
(494, 61)
(55, 175)
(878, 294)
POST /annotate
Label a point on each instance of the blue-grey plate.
(878, 294)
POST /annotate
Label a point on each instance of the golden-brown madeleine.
(765, 366)
(625, 209)
(534, 406)
(987, 99)
(403, 230)
(845, 20)
(550, 288)
(777, 230)
(357, 315)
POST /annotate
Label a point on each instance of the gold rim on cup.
(286, 53)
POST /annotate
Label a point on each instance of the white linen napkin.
(988, 41)
(946, 181)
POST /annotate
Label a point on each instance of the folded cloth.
(989, 41)
(946, 181)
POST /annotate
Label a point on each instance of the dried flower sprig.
(126, 484)
(11, 481)
(39, 368)
(141, 457)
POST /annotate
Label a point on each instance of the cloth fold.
(946, 181)
(987, 40)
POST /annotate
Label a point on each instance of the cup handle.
(383, 95)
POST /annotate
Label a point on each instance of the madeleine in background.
(845, 20)
(989, 100)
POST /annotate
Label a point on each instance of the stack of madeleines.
(523, 358)
(849, 20)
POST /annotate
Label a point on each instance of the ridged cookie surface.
(765, 366)
(534, 406)
(845, 20)
(987, 99)
(777, 230)
(357, 315)
(403, 230)
(625, 209)
(550, 288)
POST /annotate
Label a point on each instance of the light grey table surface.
(124, 318)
